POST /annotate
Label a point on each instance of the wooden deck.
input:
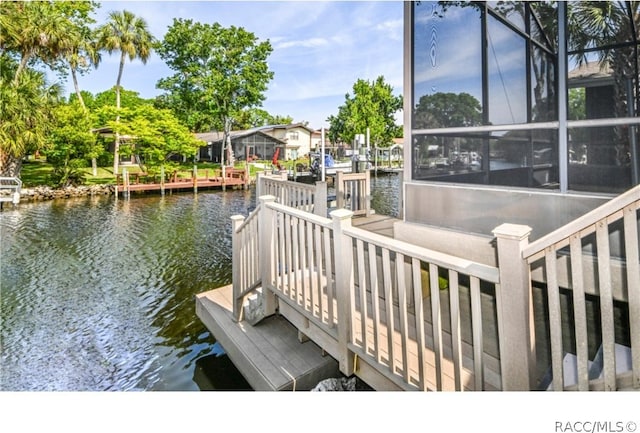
(269, 355)
(380, 224)
(234, 178)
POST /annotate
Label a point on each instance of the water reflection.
(97, 293)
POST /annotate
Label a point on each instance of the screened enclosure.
(538, 95)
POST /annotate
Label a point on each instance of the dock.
(10, 188)
(271, 355)
(274, 355)
(141, 182)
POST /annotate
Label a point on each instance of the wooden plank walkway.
(380, 224)
(269, 355)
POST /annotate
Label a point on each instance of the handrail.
(534, 250)
(311, 198)
(621, 211)
(11, 183)
(360, 277)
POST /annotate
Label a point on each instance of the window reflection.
(507, 75)
(543, 96)
(600, 158)
(495, 63)
(508, 158)
(447, 60)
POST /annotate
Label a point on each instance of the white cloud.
(320, 48)
(305, 43)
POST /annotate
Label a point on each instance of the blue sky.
(320, 49)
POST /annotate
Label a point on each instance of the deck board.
(269, 355)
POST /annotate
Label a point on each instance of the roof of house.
(217, 136)
(590, 72)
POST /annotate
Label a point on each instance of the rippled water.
(98, 294)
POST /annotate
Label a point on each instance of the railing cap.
(341, 214)
(266, 198)
(512, 231)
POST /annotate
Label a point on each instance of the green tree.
(218, 73)
(156, 135)
(441, 110)
(372, 106)
(254, 117)
(26, 113)
(34, 31)
(71, 144)
(128, 99)
(128, 34)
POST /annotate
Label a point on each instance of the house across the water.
(261, 142)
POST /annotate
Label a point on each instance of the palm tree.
(27, 113)
(34, 31)
(130, 35)
(608, 27)
(83, 54)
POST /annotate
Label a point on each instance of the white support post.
(339, 186)
(236, 247)
(259, 180)
(367, 192)
(343, 251)
(515, 309)
(320, 199)
(266, 245)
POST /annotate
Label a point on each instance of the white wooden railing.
(13, 185)
(381, 302)
(245, 259)
(419, 318)
(599, 254)
(353, 192)
(306, 197)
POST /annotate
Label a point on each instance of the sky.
(320, 49)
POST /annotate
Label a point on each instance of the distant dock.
(142, 182)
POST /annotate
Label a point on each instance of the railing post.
(514, 309)
(343, 253)
(266, 254)
(339, 186)
(367, 192)
(259, 180)
(236, 247)
(320, 199)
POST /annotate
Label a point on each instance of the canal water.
(97, 293)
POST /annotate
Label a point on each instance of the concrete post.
(266, 239)
(343, 251)
(236, 279)
(515, 309)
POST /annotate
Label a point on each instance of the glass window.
(600, 158)
(513, 11)
(509, 158)
(543, 97)
(447, 64)
(507, 69)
